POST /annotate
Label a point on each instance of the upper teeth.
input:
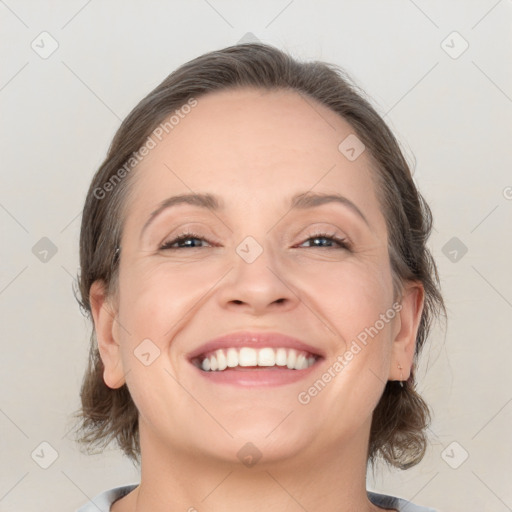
(247, 356)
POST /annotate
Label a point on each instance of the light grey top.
(104, 501)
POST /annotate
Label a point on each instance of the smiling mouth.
(248, 358)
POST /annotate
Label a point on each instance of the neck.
(332, 481)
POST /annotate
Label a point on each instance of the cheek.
(158, 297)
(349, 296)
(356, 301)
(154, 303)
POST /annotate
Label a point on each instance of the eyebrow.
(299, 201)
(206, 201)
(312, 200)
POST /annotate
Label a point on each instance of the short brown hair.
(398, 431)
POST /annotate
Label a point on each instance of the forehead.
(261, 127)
(251, 144)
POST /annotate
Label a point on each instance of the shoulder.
(102, 502)
(392, 502)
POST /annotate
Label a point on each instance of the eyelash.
(342, 242)
(179, 238)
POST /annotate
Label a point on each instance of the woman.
(253, 256)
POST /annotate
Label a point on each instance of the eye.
(182, 242)
(319, 240)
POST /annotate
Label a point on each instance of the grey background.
(452, 111)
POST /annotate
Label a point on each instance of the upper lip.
(254, 339)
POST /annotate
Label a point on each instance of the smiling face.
(264, 251)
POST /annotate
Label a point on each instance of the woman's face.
(255, 263)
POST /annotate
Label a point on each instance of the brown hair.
(401, 416)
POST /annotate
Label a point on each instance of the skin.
(254, 149)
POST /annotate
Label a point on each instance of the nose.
(257, 286)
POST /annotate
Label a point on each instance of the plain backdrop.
(438, 71)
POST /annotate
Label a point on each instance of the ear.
(408, 321)
(105, 326)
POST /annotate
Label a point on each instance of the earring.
(401, 376)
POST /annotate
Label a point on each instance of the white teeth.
(232, 357)
(221, 360)
(281, 357)
(205, 365)
(292, 358)
(301, 362)
(266, 357)
(247, 357)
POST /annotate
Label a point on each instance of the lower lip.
(261, 376)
